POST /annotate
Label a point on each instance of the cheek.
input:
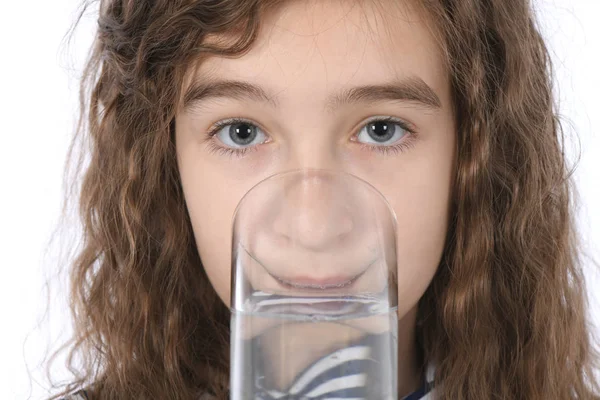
(210, 206)
(422, 207)
(422, 228)
(211, 225)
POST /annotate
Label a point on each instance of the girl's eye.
(238, 133)
(383, 131)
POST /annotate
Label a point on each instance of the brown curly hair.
(505, 315)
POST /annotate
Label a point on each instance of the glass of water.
(314, 290)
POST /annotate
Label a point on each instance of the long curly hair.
(505, 316)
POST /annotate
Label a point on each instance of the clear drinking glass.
(313, 290)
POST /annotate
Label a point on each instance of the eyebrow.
(412, 89)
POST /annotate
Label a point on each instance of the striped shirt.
(346, 374)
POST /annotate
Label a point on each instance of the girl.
(444, 106)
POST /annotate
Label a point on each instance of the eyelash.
(405, 143)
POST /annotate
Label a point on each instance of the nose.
(314, 215)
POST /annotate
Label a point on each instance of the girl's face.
(328, 84)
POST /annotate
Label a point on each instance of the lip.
(305, 282)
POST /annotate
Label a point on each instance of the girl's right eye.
(238, 133)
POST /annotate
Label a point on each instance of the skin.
(305, 52)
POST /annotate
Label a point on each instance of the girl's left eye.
(240, 135)
(379, 131)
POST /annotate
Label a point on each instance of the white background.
(38, 100)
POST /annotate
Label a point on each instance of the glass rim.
(317, 170)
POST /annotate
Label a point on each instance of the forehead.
(304, 47)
